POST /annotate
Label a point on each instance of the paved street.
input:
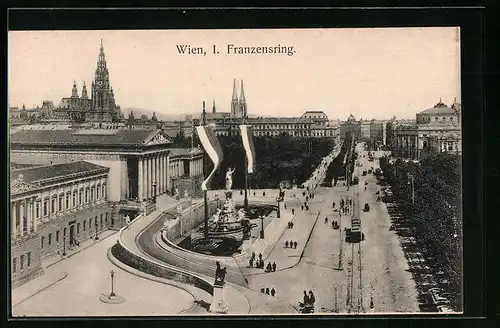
(384, 268)
(78, 293)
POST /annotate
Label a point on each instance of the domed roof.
(351, 118)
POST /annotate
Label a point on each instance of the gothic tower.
(242, 103)
(234, 101)
(74, 91)
(214, 110)
(103, 102)
(84, 91)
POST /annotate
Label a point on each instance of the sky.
(371, 73)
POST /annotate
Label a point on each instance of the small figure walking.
(127, 221)
(273, 292)
(267, 290)
(294, 244)
(286, 244)
(326, 219)
(293, 211)
(274, 266)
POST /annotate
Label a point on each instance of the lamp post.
(412, 182)
(64, 246)
(279, 213)
(154, 184)
(261, 227)
(96, 231)
(112, 294)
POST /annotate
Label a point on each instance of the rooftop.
(84, 137)
(439, 108)
(42, 174)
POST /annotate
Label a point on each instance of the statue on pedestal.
(229, 178)
(218, 302)
(220, 274)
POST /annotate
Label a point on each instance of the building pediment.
(158, 138)
(21, 186)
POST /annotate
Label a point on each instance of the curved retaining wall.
(127, 256)
(164, 271)
(178, 257)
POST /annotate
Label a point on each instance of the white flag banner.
(212, 147)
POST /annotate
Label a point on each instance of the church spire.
(213, 107)
(74, 91)
(243, 102)
(234, 100)
(84, 91)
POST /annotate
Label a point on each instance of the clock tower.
(103, 103)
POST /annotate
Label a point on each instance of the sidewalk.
(286, 258)
(50, 261)
(35, 286)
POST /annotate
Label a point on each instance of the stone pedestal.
(218, 302)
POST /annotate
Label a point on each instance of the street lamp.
(154, 184)
(112, 294)
(64, 246)
(412, 182)
(96, 231)
(262, 227)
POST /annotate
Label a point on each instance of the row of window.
(49, 241)
(26, 257)
(83, 196)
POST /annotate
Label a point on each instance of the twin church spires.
(238, 105)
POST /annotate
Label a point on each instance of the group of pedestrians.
(308, 302)
(259, 263)
(272, 292)
(290, 225)
(291, 244)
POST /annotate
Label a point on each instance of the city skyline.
(388, 66)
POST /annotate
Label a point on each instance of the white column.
(140, 182)
(13, 216)
(155, 172)
(35, 220)
(168, 174)
(123, 182)
(165, 173)
(162, 173)
(150, 176)
(22, 214)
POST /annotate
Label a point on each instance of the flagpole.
(245, 202)
(205, 200)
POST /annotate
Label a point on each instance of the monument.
(218, 304)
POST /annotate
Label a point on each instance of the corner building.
(53, 208)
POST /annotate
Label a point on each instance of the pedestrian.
(267, 290)
(312, 299)
(307, 198)
(254, 193)
(284, 205)
(326, 219)
(286, 244)
(307, 208)
(292, 224)
(294, 244)
(263, 193)
(253, 255)
(305, 299)
(260, 256)
(333, 205)
(250, 263)
(274, 266)
(273, 292)
(262, 290)
(293, 211)
(241, 192)
(269, 267)
(302, 207)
